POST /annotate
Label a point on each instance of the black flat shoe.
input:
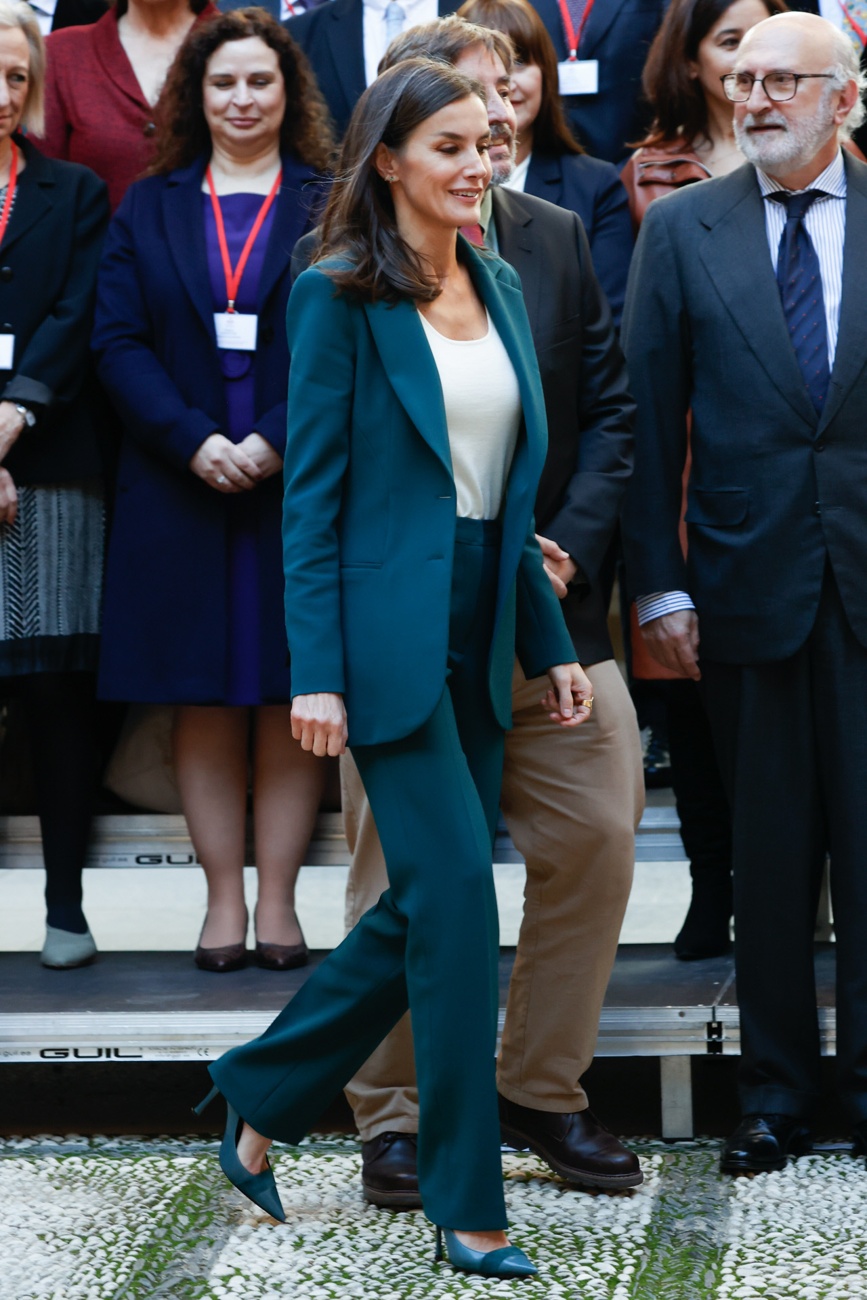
(761, 1144)
(389, 1173)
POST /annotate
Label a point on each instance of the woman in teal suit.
(416, 440)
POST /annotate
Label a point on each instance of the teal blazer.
(370, 506)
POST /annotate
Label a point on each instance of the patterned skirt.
(51, 562)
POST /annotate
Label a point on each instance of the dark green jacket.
(369, 511)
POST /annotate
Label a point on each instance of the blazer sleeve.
(611, 239)
(658, 351)
(541, 637)
(587, 519)
(322, 377)
(146, 397)
(53, 363)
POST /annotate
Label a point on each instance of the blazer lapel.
(851, 353)
(515, 242)
(115, 63)
(185, 232)
(345, 36)
(601, 17)
(293, 216)
(736, 256)
(33, 198)
(545, 177)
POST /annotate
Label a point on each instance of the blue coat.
(592, 189)
(369, 513)
(165, 616)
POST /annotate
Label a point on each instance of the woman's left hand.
(570, 699)
(8, 498)
(11, 424)
(262, 453)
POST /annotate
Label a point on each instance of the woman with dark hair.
(103, 83)
(692, 137)
(416, 439)
(550, 162)
(190, 346)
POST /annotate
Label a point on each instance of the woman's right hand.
(319, 723)
(8, 498)
(224, 466)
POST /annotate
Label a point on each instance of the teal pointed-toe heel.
(259, 1188)
(508, 1261)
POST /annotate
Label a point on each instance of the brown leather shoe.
(221, 960)
(389, 1173)
(575, 1145)
(281, 956)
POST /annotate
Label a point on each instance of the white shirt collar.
(832, 180)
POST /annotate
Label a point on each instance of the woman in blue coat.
(416, 440)
(191, 347)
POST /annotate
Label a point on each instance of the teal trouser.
(431, 943)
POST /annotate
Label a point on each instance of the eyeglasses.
(778, 86)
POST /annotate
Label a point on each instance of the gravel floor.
(135, 1219)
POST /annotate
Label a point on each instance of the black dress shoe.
(761, 1143)
(389, 1172)
(575, 1145)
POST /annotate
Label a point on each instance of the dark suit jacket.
(166, 591)
(369, 515)
(588, 407)
(618, 33)
(48, 267)
(775, 490)
(594, 190)
(332, 37)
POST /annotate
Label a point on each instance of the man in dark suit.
(572, 808)
(613, 37)
(345, 40)
(845, 15)
(746, 306)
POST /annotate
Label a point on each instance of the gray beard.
(795, 146)
(502, 171)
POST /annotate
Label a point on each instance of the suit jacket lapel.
(735, 253)
(185, 231)
(33, 198)
(601, 17)
(344, 30)
(515, 242)
(293, 216)
(545, 177)
(851, 352)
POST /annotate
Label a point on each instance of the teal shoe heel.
(259, 1188)
(508, 1261)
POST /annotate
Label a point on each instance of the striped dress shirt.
(826, 225)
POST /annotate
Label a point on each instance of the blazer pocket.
(717, 507)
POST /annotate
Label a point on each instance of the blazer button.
(150, 129)
(819, 446)
(6, 274)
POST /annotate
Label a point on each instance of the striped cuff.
(661, 602)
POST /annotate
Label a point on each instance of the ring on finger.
(588, 703)
(222, 480)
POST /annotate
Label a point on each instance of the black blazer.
(775, 491)
(48, 263)
(594, 190)
(332, 37)
(618, 33)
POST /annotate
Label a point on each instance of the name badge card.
(236, 330)
(578, 76)
(7, 351)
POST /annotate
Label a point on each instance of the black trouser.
(792, 743)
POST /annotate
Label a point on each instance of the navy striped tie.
(800, 282)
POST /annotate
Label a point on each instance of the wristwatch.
(26, 415)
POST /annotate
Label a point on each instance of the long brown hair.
(677, 99)
(183, 134)
(359, 223)
(533, 45)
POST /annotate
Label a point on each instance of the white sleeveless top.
(483, 415)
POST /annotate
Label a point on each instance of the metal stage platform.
(157, 1007)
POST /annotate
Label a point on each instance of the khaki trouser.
(572, 800)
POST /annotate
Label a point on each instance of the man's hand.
(559, 565)
(319, 722)
(673, 642)
(11, 424)
(8, 498)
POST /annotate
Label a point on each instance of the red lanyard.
(573, 38)
(10, 193)
(856, 28)
(233, 278)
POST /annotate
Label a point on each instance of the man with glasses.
(746, 307)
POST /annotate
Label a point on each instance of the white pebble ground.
(143, 1219)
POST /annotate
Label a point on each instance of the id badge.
(578, 76)
(236, 330)
(7, 351)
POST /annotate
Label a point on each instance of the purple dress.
(243, 686)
